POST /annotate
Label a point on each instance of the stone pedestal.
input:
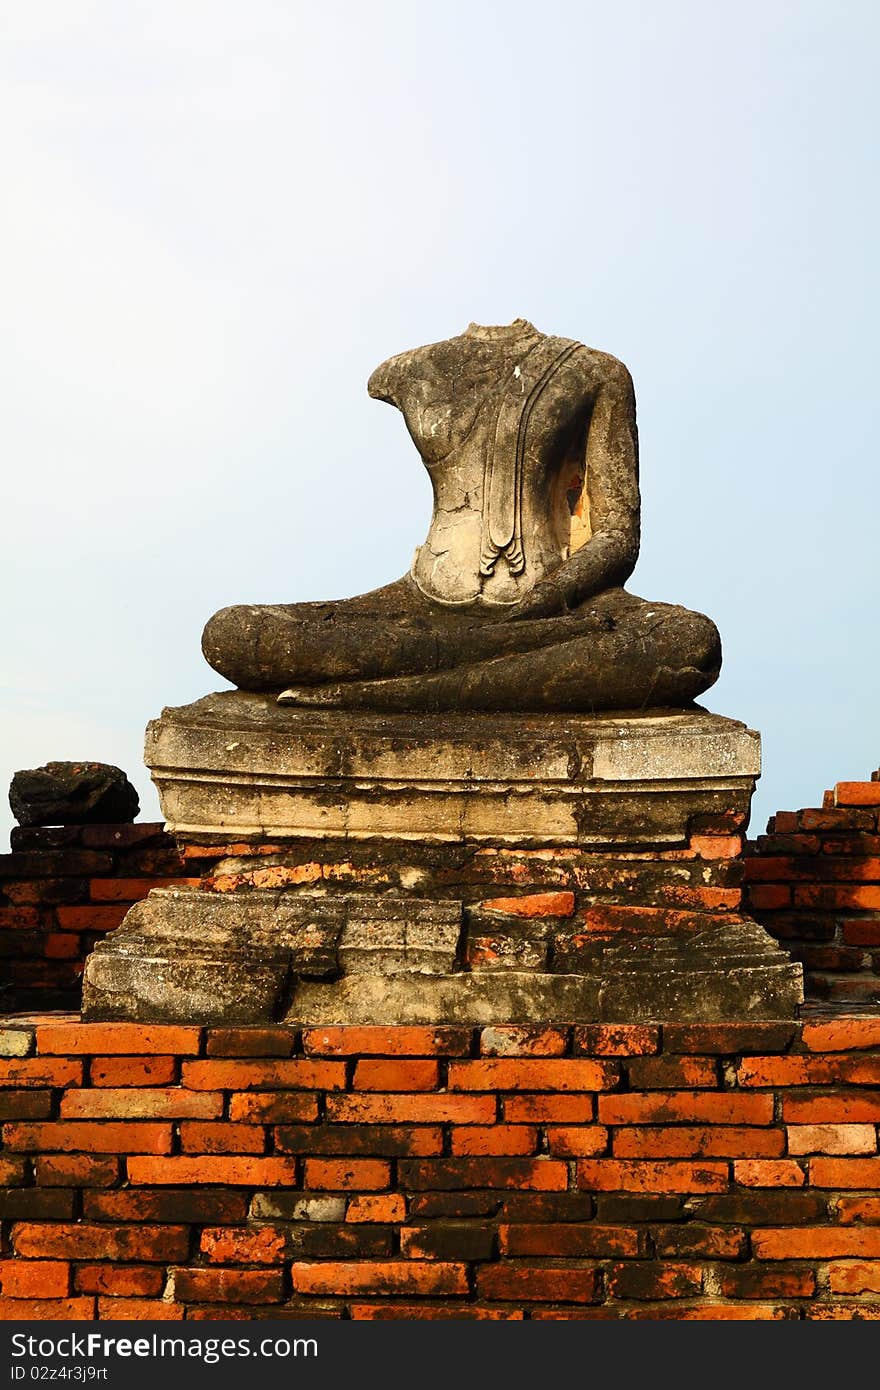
(370, 868)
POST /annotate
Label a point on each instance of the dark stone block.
(72, 794)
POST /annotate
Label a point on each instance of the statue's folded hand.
(544, 600)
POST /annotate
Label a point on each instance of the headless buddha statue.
(515, 600)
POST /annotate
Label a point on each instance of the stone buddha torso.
(493, 417)
(515, 600)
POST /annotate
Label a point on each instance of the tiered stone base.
(358, 868)
(641, 1171)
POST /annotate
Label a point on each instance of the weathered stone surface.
(191, 956)
(514, 602)
(72, 794)
(235, 765)
(488, 997)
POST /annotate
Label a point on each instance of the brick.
(574, 1240)
(757, 1281)
(414, 1109)
(139, 1310)
(854, 1276)
(773, 1207)
(527, 1207)
(47, 891)
(576, 1141)
(76, 1170)
(89, 918)
(717, 846)
(839, 1312)
(837, 1107)
(690, 1141)
(538, 1109)
(166, 1205)
(406, 1312)
(531, 1283)
(39, 1071)
(669, 1073)
(625, 1209)
(448, 1240)
(108, 1137)
(250, 1042)
(132, 1071)
(121, 1281)
(430, 1278)
(400, 1074)
(84, 1241)
(620, 1175)
(263, 1245)
(845, 1172)
(273, 1107)
(727, 1039)
(836, 818)
(617, 1039)
(13, 918)
(387, 1207)
(764, 897)
(514, 1040)
(522, 1174)
(649, 1280)
(606, 919)
(532, 1074)
(857, 794)
(25, 1105)
(32, 1204)
(841, 1034)
(796, 844)
(355, 1141)
(132, 1103)
(37, 1279)
(837, 896)
(47, 1309)
(828, 958)
(809, 1071)
(245, 1074)
(131, 890)
(862, 933)
(816, 1243)
(78, 1039)
(213, 1137)
(532, 905)
(832, 1139)
(383, 1041)
(686, 1107)
(346, 1174)
(61, 946)
(779, 1172)
(858, 1209)
(710, 1242)
(237, 1172)
(495, 1139)
(227, 1285)
(12, 1170)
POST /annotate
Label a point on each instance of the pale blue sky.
(218, 218)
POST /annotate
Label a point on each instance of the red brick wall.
(814, 882)
(61, 889)
(689, 1171)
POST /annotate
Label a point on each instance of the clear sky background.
(218, 217)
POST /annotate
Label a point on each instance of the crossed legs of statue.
(393, 650)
